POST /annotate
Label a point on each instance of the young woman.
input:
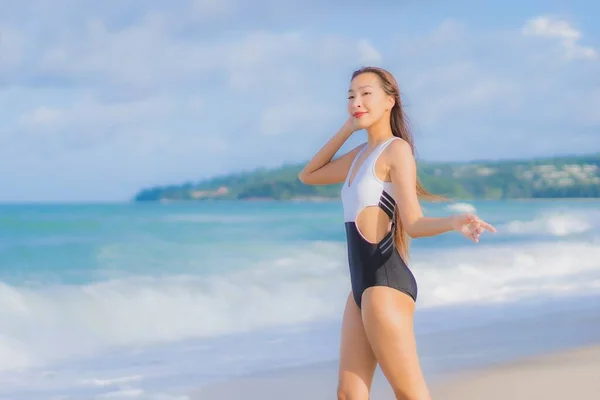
(380, 198)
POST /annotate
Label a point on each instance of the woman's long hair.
(400, 129)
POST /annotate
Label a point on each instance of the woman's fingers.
(487, 226)
(482, 224)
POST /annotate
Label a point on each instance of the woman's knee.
(416, 392)
(345, 392)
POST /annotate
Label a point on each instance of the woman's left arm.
(403, 173)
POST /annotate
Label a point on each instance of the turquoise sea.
(150, 301)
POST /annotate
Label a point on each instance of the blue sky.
(100, 99)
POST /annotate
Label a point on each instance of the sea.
(150, 300)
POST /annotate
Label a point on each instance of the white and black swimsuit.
(373, 264)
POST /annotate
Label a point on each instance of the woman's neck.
(379, 132)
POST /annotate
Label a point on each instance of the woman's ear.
(391, 102)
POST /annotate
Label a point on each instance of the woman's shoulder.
(398, 147)
(399, 153)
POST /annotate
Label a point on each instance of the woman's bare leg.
(387, 316)
(357, 361)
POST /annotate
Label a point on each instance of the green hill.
(568, 176)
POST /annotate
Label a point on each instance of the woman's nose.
(356, 103)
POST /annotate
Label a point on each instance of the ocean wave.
(45, 324)
(555, 223)
(490, 274)
(42, 325)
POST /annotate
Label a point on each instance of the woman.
(381, 212)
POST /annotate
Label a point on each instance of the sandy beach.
(570, 374)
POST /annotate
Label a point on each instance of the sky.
(101, 99)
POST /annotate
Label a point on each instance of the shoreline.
(568, 373)
(311, 199)
(317, 199)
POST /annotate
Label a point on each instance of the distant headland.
(556, 177)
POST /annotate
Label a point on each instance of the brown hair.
(400, 129)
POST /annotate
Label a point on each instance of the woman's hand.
(350, 125)
(470, 226)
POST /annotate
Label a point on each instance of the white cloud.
(569, 37)
(283, 63)
(271, 68)
(550, 27)
(367, 53)
(151, 54)
(143, 55)
(87, 114)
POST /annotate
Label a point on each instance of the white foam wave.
(555, 223)
(46, 324)
(41, 325)
(508, 273)
(461, 208)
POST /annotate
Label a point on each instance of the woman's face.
(367, 101)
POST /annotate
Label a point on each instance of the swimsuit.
(373, 264)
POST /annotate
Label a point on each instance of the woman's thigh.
(387, 316)
(357, 361)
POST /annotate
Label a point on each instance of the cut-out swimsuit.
(372, 264)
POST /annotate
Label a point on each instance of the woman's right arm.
(321, 170)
